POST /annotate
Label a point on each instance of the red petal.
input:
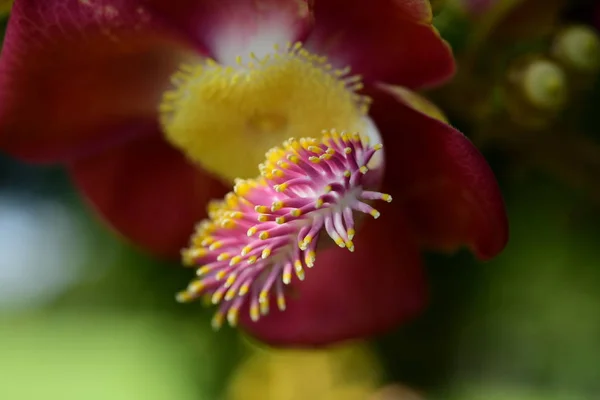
(73, 72)
(445, 185)
(148, 192)
(351, 295)
(229, 28)
(385, 40)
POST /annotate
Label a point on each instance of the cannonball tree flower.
(156, 107)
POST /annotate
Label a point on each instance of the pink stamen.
(264, 235)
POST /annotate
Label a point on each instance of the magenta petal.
(447, 189)
(74, 74)
(226, 29)
(351, 295)
(385, 40)
(148, 192)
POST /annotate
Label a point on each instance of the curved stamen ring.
(266, 231)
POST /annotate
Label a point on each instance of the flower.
(155, 107)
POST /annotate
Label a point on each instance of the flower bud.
(578, 49)
(537, 90)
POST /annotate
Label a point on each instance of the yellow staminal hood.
(225, 117)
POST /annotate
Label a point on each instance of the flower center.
(265, 233)
(224, 117)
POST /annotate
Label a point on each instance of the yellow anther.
(184, 297)
(252, 260)
(203, 270)
(277, 205)
(244, 289)
(217, 321)
(246, 250)
(378, 146)
(319, 203)
(347, 173)
(230, 280)
(252, 231)
(296, 212)
(223, 256)
(264, 307)
(310, 258)
(231, 293)
(287, 277)
(264, 235)
(338, 240)
(349, 245)
(281, 302)
(254, 312)
(327, 189)
(263, 296)
(261, 209)
(283, 164)
(347, 150)
(232, 316)
(281, 187)
(263, 218)
(215, 246)
(220, 275)
(386, 197)
(314, 159)
(235, 260)
(207, 241)
(228, 223)
(375, 214)
(280, 220)
(217, 297)
(266, 253)
(351, 232)
(363, 170)
(196, 286)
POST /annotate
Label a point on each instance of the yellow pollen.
(263, 235)
(287, 277)
(203, 271)
(254, 312)
(216, 297)
(235, 260)
(217, 320)
(281, 302)
(230, 280)
(252, 259)
(244, 289)
(246, 250)
(266, 253)
(223, 117)
(264, 307)
(277, 205)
